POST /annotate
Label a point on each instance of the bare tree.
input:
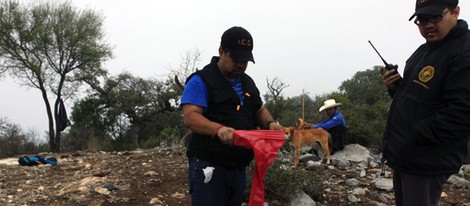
(274, 99)
(189, 64)
(275, 87)
(50, 47)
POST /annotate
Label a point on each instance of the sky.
(311, 45)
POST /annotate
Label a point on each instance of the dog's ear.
(292, 131)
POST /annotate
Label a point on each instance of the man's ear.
(456, 12)
(221, 51)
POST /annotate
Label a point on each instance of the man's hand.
(226, 135)
(388, 79)
(276, 126)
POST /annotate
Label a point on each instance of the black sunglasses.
(422, 20)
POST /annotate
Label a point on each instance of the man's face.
(436, 31)
(329, 112)
(230, 67)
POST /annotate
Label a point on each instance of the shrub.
(282, 183)
(153, 141)
(95, 144)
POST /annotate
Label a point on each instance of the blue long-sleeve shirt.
(335, 120)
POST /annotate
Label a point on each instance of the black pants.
(417, 190)
(338, 137)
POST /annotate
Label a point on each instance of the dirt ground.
(141, 177)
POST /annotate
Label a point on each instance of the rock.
(362, 173)
(353, 152)
(308, 157)
(109, 187)
(178, 195)
(359, 191)
(362, 165)
(88, 166)
(156, 201)
(313, 166)
(383, 184)
(103, 191)
(341, 164)
(352, 182)
(466, 170)
(151, 173)
(458, 181)
(353, 198)
(352, 173)
(302, 199)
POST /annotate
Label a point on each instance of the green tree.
(11, 138)
(14, 141)
(51, 47)
(89, 124)
(293, 110)
(128, 108)
(366, 107)
(365, 87)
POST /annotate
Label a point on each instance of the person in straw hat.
(334, 122)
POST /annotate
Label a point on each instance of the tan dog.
(300, 124)
(300, 138)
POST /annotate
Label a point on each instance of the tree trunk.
(54, 147)
(135, 130)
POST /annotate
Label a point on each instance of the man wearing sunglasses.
(428, 125)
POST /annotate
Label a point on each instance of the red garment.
(265, 144)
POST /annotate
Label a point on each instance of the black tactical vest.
(225, 108)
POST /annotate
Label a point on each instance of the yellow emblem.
(426, 74)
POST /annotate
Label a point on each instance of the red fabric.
(265, 144)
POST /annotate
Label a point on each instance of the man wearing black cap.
(218, 100)
(428, 126)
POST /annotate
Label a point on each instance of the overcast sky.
(308, 44)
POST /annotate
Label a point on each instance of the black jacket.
(224, 107)
(428, 125)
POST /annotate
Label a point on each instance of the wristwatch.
(267, 125)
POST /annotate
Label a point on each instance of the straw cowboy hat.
(329, 104)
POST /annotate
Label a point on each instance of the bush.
(153, 141)
(171, 136)
(95, 144)
(167, 137)
(282, 183)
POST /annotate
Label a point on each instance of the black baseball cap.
(239, 43)
(432, 7)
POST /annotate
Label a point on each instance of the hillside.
(158, 177)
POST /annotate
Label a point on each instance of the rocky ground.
(158, 177)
